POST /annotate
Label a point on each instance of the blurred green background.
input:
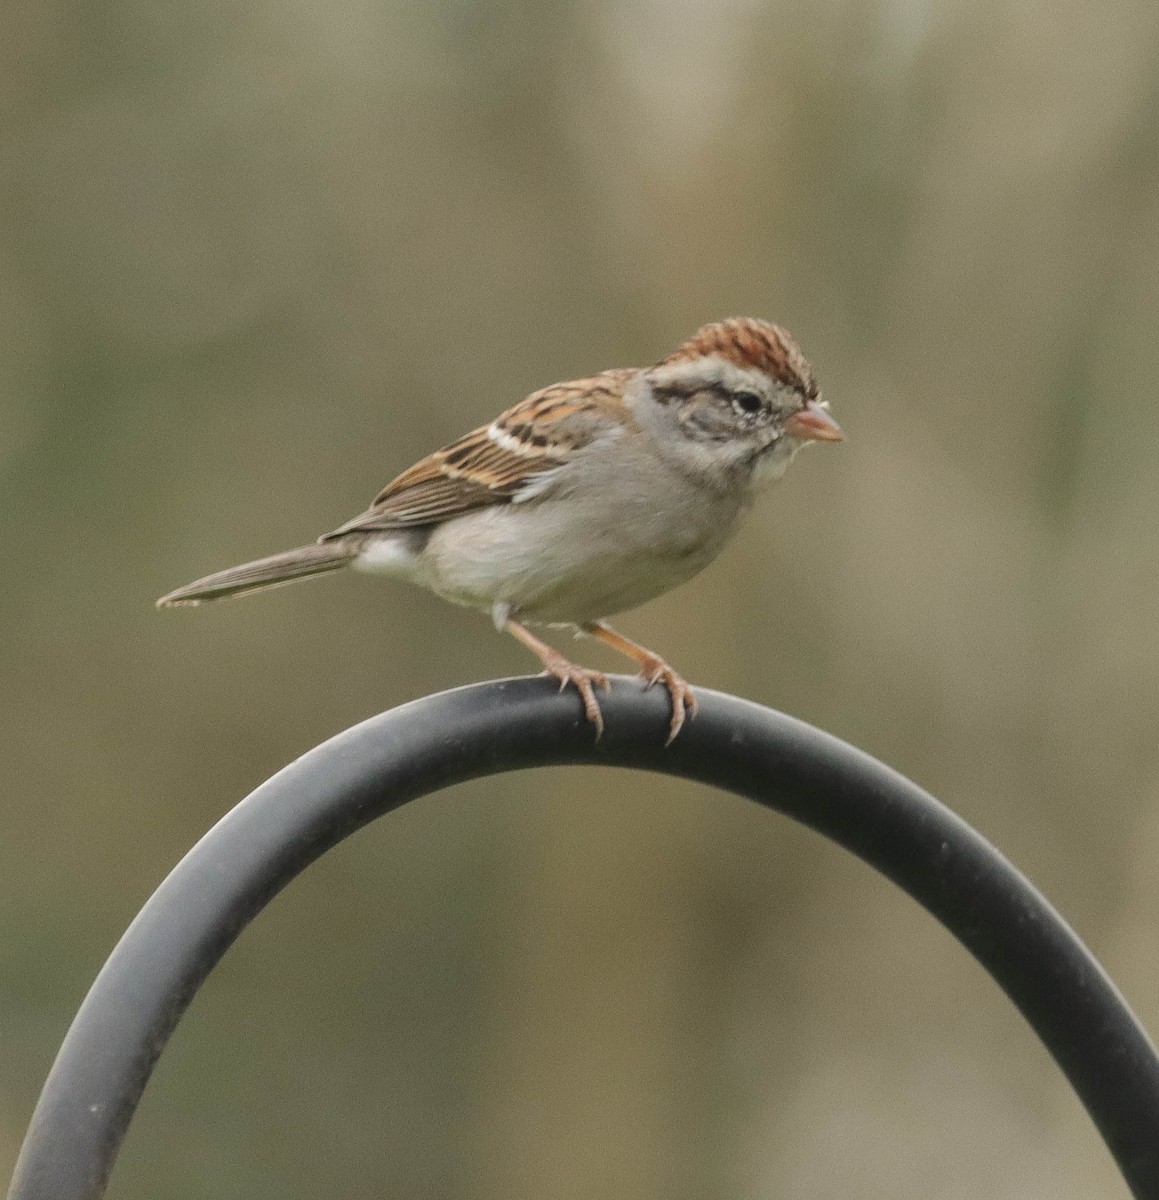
(255, 259)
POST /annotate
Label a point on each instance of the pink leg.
(554, 663)
(653, 670)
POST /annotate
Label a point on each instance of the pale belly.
(551, 567)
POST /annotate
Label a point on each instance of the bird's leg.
(554, 663)
(653, 669)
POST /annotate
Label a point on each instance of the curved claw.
(683, 697)
(554, 663)
(582, 679)
(653, 670)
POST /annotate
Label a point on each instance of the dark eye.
(747, 402)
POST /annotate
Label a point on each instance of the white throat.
(775, 461)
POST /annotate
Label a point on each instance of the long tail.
(265, 573)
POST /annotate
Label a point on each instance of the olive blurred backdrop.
(255, 259)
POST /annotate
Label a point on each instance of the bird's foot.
(655, 671)
(585, 681)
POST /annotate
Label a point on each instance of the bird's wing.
(501, 462)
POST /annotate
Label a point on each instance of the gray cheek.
(707, 423)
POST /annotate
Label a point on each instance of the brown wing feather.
(492, 464)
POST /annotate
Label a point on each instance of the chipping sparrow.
(583, 500)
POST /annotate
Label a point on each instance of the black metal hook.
(293, 818)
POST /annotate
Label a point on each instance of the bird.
(585, 499)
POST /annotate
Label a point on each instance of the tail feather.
(264, 573)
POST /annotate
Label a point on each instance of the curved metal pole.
(240, 864)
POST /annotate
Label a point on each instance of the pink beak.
(813, 424)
